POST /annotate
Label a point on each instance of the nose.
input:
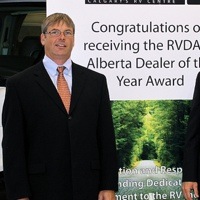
(62, 35)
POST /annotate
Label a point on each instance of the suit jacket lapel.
(45, 82)
(78, 82)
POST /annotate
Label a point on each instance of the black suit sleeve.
(15, 172)
(192, 142)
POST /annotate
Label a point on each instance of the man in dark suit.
(49, 152)
(191, 164)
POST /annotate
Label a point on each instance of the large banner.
(146, 51)
(149, 52)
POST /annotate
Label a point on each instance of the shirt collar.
(51, 66)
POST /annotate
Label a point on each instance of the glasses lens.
(55, 32)
(68, 33)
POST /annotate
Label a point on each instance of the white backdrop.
(145, 51)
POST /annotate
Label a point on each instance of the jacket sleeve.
(14, 161)
(192, 142)
(107, 146)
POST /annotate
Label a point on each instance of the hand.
(187, 187)
(106, 195)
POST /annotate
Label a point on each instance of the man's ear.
(42, 39)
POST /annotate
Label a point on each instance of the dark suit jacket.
(191, 170)
(49, 154)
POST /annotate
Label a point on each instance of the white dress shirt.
(51, 68)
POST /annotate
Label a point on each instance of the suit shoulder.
(198, 76)
(23, 75)
(89, 72)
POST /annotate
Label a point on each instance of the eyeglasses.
(56, 33)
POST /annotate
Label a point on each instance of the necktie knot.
(60, 69)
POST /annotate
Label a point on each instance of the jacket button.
(70, 117)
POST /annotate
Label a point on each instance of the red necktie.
(63, 88)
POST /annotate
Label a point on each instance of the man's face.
(58, 47)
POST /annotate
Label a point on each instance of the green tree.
(150, 130)
(128, 120)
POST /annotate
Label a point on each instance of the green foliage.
(150, 130)
(127, 117)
